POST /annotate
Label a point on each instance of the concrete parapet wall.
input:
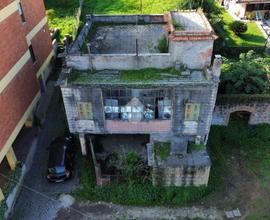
(119, 61)
(146, 19)
(131, 61)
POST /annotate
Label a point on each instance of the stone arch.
(242, 108)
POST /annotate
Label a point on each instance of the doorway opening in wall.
(121, 156)
(241, 116)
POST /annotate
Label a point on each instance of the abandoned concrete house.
(145, 82)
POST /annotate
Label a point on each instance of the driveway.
(38, 199)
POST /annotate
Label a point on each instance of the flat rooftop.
(122, 39)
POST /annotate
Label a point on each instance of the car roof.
(57, 152)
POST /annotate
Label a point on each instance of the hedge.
(242, 98)
(234, 52)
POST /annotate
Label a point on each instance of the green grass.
(61, 13)
(254, 142)
(143, 76)
(252, 38)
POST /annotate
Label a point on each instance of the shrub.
(178, 26)
(238, 27)
(163, 45)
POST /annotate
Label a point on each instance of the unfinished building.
(150, 77)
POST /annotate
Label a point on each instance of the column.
(11, 158)
(83, 144)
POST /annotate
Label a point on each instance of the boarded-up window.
(84, 110)
(192, 112)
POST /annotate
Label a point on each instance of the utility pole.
(141, 6)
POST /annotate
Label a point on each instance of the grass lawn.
(61, 12)
(241, 164)
(252, 38)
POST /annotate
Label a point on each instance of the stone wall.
(181, 175)
(260, 112)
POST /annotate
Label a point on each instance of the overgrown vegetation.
(163, 44)
(14, 177)
(177, 25)
(142, 76)
(247, 75)
(251, 144)
(61, 15)
(195, 147)
(162, 150)
(130, 164)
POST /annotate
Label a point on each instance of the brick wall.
(12, 42)
(4, 3)
(20, 92)
(15, 99)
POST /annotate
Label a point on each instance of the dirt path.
(104, 211)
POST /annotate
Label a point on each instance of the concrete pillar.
(11, 158)
(2, 197)
(83, 144)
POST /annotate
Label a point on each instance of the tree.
(246, 75)
(208, 6)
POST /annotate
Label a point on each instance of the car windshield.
(57, 169)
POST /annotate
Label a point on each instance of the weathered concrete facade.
(175, 106)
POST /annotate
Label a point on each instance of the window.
(21, 12)
(84, 110)
(250, 7)
(33, 57)
(137, 104)
(192, 112)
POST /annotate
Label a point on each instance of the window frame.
(21, 12)
(190, 115)
(81, 111)
(32, 54)
(151, 103)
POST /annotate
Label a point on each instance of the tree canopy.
(247, 75)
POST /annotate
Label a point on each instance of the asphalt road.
(38, 199)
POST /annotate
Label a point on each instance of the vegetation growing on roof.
(195, 147)
(177, 25)
(128, 76)
(162, 150)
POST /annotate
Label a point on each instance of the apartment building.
(147, 80)
(26, 51)
(249, 9)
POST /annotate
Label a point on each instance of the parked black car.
(61, 156)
